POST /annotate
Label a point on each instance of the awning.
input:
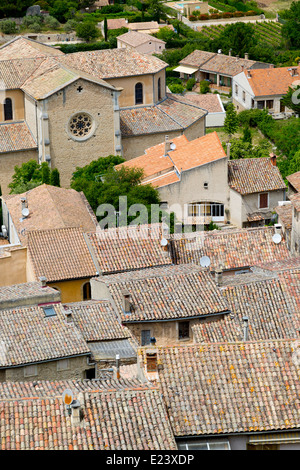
(187, 70)
(276, 438)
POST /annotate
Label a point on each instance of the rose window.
(81, 125)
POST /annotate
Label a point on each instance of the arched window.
(8, 110)
(159, 89)
(139, 93)
(86, 291)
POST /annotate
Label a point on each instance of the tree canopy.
(239, 37)
(30, 175)
(291, 28)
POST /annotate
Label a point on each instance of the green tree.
(87, 31)
(291, 28)
(176, 88)
(55, 177)
(45, 173)
(157, 9)
(247, 135)
(51, 22)
(239, 37)
(292, 99)
(231, 123)
(105, 27)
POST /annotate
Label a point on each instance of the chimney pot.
(246, 328)
(126, 298)
(246, 55)
(43, 281)
(76, 412)
(219, 276)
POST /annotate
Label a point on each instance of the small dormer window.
(49, 311)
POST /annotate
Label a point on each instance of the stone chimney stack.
(167, 145)
(77, 410)
(126, 302)
(219, 276)
(43, 281)
(246, 56)
(246, 328)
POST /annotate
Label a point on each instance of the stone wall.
(8, 161)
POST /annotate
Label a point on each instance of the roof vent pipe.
(246, 328)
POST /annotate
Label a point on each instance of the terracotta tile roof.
(231, 249)
(272, 81)
(128, 248)
(120, 419)
(28, 336)
(166, 293)
(24, 48)
(269, 305)
(134, 38)
(96, 320)
(294, 180)
(14, 72)
(143, 25)
(117, 23)
(16, 136)
(295, 200)
(279, 265)
(65, 208)
(197, 58)
(285, 213)
(113, 63)
(60, 254)
(224, 388)
(209, 102)
(169, 115)
(28, 293)
(161, 170)
(254, 175)
(217, 63)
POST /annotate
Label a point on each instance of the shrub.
(35, 27)
(176, 88)
(227, 14)
(8, 27)
(190, 84)
(204, 87)
(238, 14)
(192, 18)
(251, 13)
(203, 17)
(52, 22)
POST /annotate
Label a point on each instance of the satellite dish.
(25, 212)
(164, 242)
(205, 261)
(172, 146)
(67, 397)
(276, 238)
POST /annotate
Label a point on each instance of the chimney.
(219, 276)
(118, 367)
(228, 145)
(246, 328)
(43, 281)
(237, 57)
(24, 202)
(229, 53)
(278, 228)
(151, 360)
(76, 410)
(126, 302)
(273, 158)
(246, 56)
(249, 74)
(167, 145)
(68, 314)
(153, 341)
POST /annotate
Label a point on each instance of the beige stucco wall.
(13, 267)
(67, 153)
(135, 146)
(48, 371)
(8, 161)
(191, 188)
(31, 114)
(150, 47)
(295, 236)
(17, 97)
(236, 205)
(70, 291)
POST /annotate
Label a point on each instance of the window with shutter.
(145, 337)
(263, 201)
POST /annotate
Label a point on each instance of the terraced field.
(268, 32)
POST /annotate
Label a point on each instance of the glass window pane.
(219, 446)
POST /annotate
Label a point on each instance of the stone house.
(293, 183)
(162, 303)
(284, 218)
(264, 88)
(70, 109)
(295, 235)
(37, 343)
(219, 69)
(62, 257)
(141, 42)
(256, 187)
(191, 177)
(218, 394)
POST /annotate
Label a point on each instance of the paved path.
(195, 24)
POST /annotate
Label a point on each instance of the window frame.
(208, 443)
(11, 109)
(59, 365)
(259, 201)
(139, 93)
(186, 323)
(29, 374)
